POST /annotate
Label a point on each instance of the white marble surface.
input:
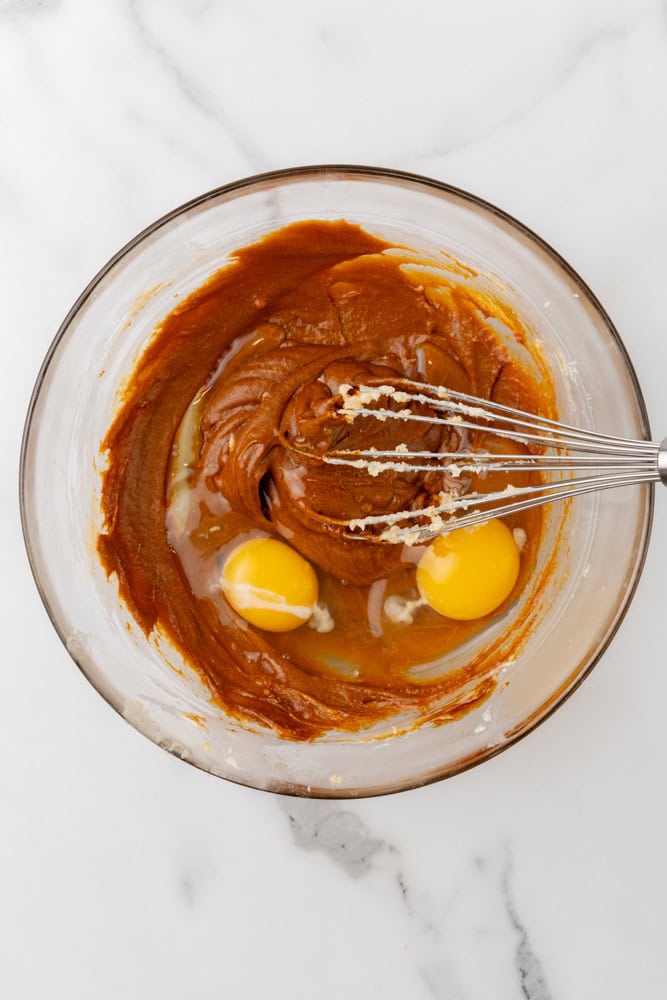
(126, 873)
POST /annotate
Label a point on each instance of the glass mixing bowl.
(596, 545)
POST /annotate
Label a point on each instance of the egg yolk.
(270, 585)
(469, 572)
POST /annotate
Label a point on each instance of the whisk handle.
(662, 461)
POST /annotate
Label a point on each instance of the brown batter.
(208, 446)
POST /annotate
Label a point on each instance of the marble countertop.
(123, 871)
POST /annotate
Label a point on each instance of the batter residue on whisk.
(212, 447)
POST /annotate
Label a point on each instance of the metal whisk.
(583, 461)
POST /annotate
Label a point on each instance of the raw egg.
(469, 572)
(270, 585)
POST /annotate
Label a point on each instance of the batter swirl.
(217, 440)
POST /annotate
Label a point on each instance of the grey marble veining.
(28, 6)
(529, 967)
(124, 872)
(574, 61)
(199, 100)
(338, 832)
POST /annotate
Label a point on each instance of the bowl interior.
(597, 544)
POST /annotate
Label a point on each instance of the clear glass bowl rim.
(348, 171)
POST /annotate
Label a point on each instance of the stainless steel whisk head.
(579, 461)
